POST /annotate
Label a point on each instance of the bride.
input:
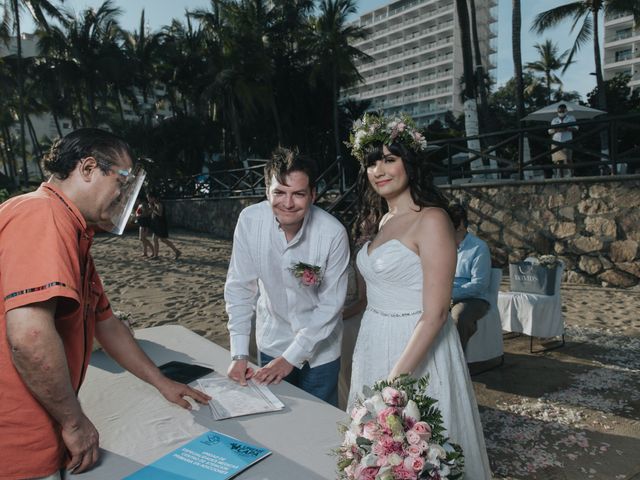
(408, 266)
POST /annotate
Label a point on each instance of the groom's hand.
(274, 371)
(239, 371)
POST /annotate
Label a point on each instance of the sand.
(571, 413)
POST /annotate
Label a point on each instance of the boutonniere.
(309, 275)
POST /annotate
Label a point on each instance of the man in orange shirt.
(52, 304)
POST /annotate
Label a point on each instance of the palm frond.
(552, 17)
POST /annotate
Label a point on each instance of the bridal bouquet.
(397, 433)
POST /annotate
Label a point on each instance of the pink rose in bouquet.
(423, 429)
(394, 397)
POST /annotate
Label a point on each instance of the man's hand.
(274, 371)
(176, 391)
(81, 439)
(240, 372)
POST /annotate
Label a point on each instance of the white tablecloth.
(137, 425)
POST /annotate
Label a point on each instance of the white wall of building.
(622, 48)
(417, 57)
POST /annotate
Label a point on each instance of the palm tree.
(39, 9)
(87, 51)
(548, 62)
(587, 13)
(244, 77)
(141, 52)
(333, 43)
(185, 58)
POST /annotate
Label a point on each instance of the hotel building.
(622, 48)
(416, 57)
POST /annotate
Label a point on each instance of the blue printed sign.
(211, 456)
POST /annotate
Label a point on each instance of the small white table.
(137, 425)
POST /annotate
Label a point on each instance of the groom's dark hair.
(284, 161)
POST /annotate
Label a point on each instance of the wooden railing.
(511, 155)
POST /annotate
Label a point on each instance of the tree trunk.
(235, 125)
(56, 120)
(548, 78)
(6, 154)
(467, 57)
(602, 94)
(36, 146)
(13, 173)
(23, 145)
(469, 92)
(83, 121)
(516, 26)
(336, 129)
(479, 67)
(5, 161)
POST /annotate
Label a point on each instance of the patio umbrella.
(546, 114)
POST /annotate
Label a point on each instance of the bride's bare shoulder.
(433, 216)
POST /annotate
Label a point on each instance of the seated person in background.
(473, 277)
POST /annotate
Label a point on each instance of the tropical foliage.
(586, 16)
(548, 62)
(237, 78)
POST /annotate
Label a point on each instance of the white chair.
(533, 314)
(486, 343)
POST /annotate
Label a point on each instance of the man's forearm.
(117, 341)
(41, 362)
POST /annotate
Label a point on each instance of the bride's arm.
(437, 250)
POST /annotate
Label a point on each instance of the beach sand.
(571, 413)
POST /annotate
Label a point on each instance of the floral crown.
(378, 128)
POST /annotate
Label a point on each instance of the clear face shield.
(119, 211)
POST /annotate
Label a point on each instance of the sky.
(577, 77)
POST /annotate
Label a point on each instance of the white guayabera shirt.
(300, 323)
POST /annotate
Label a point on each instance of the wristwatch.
(240, 357)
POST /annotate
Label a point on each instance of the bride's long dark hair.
(372, 206)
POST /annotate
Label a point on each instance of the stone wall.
(593, 224)
(215, 216)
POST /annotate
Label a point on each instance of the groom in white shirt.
(289, 265)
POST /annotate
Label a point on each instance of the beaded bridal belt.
(393, 314)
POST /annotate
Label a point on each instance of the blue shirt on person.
(473, 270)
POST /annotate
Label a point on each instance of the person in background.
(472, 281)
(159, 226)
(289, 266)
(143, 219)
(562, 134)
(52, 304)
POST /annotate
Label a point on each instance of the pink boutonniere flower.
(309, 275)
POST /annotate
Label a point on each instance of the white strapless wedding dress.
(393, 274)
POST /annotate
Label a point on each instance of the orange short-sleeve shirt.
(44, 253)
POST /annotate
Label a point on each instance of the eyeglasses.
(126, 175)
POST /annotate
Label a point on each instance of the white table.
(137, 425)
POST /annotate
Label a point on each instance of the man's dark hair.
(67, 151)
(563, 106)
(458, 215)
(284, 161)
